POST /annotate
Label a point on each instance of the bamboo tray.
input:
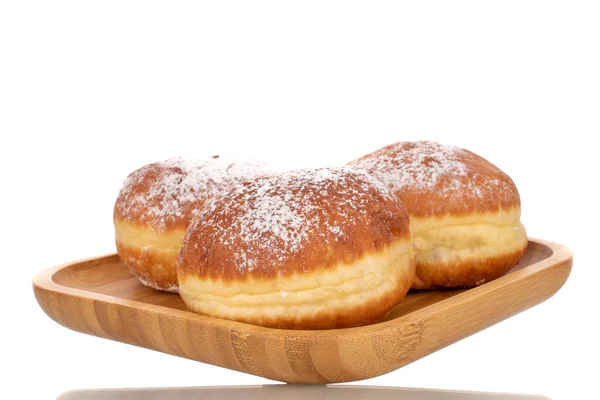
(99, 297)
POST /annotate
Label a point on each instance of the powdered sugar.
(431, 167)
(279, 214)
(420, 166)
(169, 190)
(151, 284)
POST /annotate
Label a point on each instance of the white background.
(90, 91)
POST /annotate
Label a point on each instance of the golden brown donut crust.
(460, 205)
(465, 275)
(309, 249)
(155, 205)
(164, 195)
(154, 268)
(136, 205)
(334, 216)
(435, 180)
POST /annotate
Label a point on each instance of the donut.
(307, 249)
(464, 211)
(155, 205)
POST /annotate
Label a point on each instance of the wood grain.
(99, 297)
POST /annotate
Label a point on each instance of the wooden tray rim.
(558, 257)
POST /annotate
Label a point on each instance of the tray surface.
(99, 297)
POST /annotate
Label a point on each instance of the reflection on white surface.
(289, 392)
